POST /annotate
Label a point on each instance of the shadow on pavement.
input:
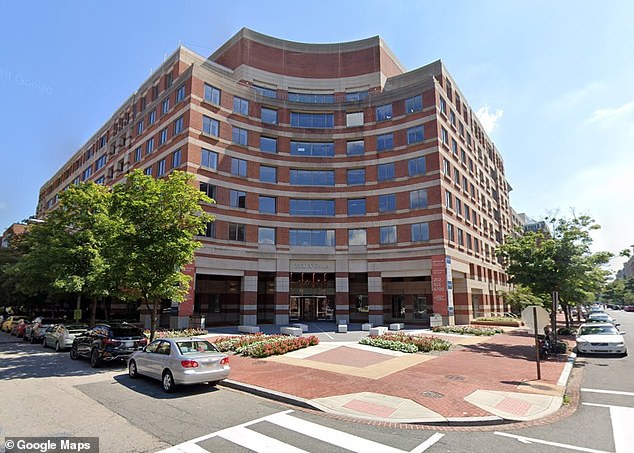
(152, 387)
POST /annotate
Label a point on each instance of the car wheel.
(168, 382)
(44, 345)
(95, 362)
(57, 347)
(33, 339)
(132, 370)
(214, 383)
(73, 354)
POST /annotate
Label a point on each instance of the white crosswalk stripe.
(247, 438)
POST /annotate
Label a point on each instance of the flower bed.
(497, 321)
(259, 345)
(176, 333)
(407, 343)
(468, 330)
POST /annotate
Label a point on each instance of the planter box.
(497, 323)
(294, 331)
(367, 326)
(304, 327)
(248, 329)
(378, 331)
(342, 328)
(397, 326)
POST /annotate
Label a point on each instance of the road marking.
(609, 392)
(324, 332)
(563, 378)
(241, 435)
(621, 425)
(525, 439)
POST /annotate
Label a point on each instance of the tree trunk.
(153, 318)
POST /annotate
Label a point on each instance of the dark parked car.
(107, 342)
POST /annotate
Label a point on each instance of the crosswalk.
(621, 418)
(243, 436)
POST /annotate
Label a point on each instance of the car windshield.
(195, 347)
(127, 331)
(599, 317)
(598, 330)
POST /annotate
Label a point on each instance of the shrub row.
(397, 340)
(259, 345)
(468, 330)
(388, 344)
(177, 333)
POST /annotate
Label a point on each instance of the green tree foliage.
(521, 297)
(561, 261)
(619, 291)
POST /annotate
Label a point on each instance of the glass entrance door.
(310, 308)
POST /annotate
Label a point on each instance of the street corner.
(514, 405)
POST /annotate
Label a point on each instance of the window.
(450, 236)
(357, 237)
(269, 116)
(268, 174)
(384, 112)
(178, 125)
(398, 307)
(356, 177)
(312, 149)
(414, 104)
(238, 167)
(454, 146)
(210, 230)
(385, 172)
(137, 154)
(385, 142)
(418, 199)
(420, 232)
(266, 235)
(176, 158)
(312, 120)
(312, 238)
(415, 135)
(461, 129)
(237, 199)
(416, 166)
(101, 162)
(387, 202)
(460, 238)
(312, 177)
(169, 79)
(139, 127)
(444, 136)
(469, 243)
(236, 232)
(143, 103)
(443, 105)
(241, 106)
(210, 126)
(312, 207)
(101, 180)
(209, 159)
(267, 205)
(420, 307)
(208, 189)
(467, 213)
(452, 118)
(463, 156)
(165, 106)
(268, 92)
(476, 245)
(354, 119)
(87, 173)
(149, 146)
(163, 136)
(388, 234)
(456, 176)
(151, 118)
(180, 93)
(458, 206)
(446, 168)
(102, 141)
(355, 148)
(448, 203)
(161, 168)
(148, 171)
(356, 96)
(239, 136)
(356, 206)
(311, 98)
(268, 144)
(212, 94)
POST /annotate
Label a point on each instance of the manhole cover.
(430, 394)
(456, 378)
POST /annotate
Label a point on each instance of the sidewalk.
(483, 380)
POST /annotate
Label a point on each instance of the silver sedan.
(177, 361)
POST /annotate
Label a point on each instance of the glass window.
(241, 106)
(163, 136)
(267, 92)
(237, 232)
(312, 177)
(448, 203)
(212, 94)
(148, 171)
(269, 116)
(268, 174)
(176, 158)
(312, 120)
(444, 136)
(208, 189)
(101, 162)
(354, 119)
(420, 307)
(180, 93)
(415, 135)
(210, 126)
(386, 172)
(137, 154)
(313, 149)
(149, 146)
(268, 144)
(139, 127)
(239, 136)
(398, 307)
(165, 106)
(384, 112)
(161, 168)
(452, 118)
(355, 148)
(238, 167)
(312, 98)
(458, 206)
(312, 238)
(460, 238)
(388, 234)
(387, 202)
(266, 235)
(384, 142)
(209, 159)
(357, 237)
(87, 173)
(178, 125)
(456, 176)
(355, 96)
(454, 146)
(450, 236)
(414, 104)
(446, 167)
(312, 207)
(267, 205)
(356, 206)
(418, 199)
(416, 166)
(356, 176)
(151, 118)
(443, 105)
(420, 232)
(237, 199)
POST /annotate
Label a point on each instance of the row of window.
(177, 128)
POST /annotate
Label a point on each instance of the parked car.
(601, 317)
(61, 336)
(8, 324)
(19, 327)
(602, 338)
(107, 342)
(628, 308)
(178, 361)
(35, 331)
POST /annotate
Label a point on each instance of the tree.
(155, 240)
(521, 297)
(561, 261)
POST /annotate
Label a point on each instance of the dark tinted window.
(126, 331)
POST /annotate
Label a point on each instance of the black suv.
(106, 342)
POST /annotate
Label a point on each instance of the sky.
(552, 81)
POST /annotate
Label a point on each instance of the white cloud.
(608, 114)
(488, 119)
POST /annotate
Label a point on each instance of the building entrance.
(310, 308)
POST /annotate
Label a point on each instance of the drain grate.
(455, 377)
(430, 394)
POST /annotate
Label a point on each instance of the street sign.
(543, 319)
(77, 314)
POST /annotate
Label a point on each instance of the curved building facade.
(345, 187)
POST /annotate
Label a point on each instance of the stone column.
(282, 289)
(249, 299)
(375, 298)
(342, 297)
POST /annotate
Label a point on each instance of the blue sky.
(552, 82)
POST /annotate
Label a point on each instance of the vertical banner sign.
(186, 307)
(449, 286)
(439, 285)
